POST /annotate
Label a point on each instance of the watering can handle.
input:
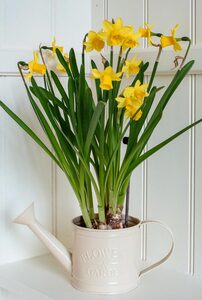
(162, 260)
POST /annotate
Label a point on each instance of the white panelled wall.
(26, 173)
(166, 187)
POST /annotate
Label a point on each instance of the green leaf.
(136, 126)
(80, 117)
(29, 131)
(88, 107)
(154, 120)
(50, 134)
(93, 125)
(54, 99)
(73, 63)
(63, 62)
(71, 92)
(68, 151)
(51, 113)
(157, 114)
(140, 75)
(59, 87)
(177, 79)
(85, 104)
(97, 83)
(161, 145)
(63, 95)
(45, 102)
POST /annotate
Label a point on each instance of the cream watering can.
(102, 261)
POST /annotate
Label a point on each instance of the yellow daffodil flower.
(171, 40)
(132, 107)
(132, 100)
(147, 32)
(54, 47)
(131, 67)
(94, 42)
(139, 90)
(60, 66)
(106, 77)
(115, 33)
(131, 41)
(35, 67)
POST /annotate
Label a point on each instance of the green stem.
(123, 191)
(154, 69)
(101, 156)
(81, 183)
(47, 73)
(83, 51)
(186, 53)
(86, 216)
(44, 80)
(112, 157)
(101, 214)
(126, 56)
(117, 84)
(112, 134)
(112, 202)
(90, 198)
(111, 56)
(119, 60)
(86, 203)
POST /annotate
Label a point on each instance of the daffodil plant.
(86, 131)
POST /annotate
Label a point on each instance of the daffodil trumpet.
(85, 126)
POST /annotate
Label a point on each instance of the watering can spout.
(26, 217)
(58, 250)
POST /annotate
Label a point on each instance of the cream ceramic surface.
(102, 261)
(54, 246)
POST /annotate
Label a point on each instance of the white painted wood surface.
(42, 278)
(167, 187)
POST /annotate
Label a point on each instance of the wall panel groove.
(193, 21)
(53, 165)
(52, 14)
(145, 12)
(54, 197)
(198, 185)
(144, 210)
(192, 104)
(145, 164)
(2, 22)
(105, 9)
(2, 190)
(191, 208)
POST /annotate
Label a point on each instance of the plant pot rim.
(78, 223)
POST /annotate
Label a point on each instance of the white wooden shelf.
(42, 278)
